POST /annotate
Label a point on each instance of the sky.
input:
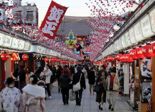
(75, 7)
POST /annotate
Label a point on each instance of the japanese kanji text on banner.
(52, 20)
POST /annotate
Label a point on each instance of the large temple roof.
(78, 25)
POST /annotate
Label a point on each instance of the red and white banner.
(52, 20)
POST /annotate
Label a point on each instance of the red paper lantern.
(148, 51)
(25, 57)
(118, 56)
(4, 56)
(153, 48)
(133, 54)
(46, 59)
(140, 52)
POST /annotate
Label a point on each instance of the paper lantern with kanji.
(25, 57)
(133, 54)
(140, 52)
(148, 51)
(4, 56)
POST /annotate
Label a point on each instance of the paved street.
(88, 104)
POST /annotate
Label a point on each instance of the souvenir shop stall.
(135, 48)
(10, 49)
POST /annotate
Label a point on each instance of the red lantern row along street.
(141, 52)
(13, 57)
(54, 60)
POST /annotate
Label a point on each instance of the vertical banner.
(52, 20)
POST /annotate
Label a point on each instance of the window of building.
(18, 14)
(29, 16)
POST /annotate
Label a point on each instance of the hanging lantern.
(15, 57)
(148, 51)
(46, 59)
(153, 48)
(140, 52)
(4, 56)
(117, 57)
(133, 54)
(54, 59)
(25, 57)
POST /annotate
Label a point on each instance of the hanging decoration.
(52, 19)
(4, 56)
(25, 57)
(106, 18)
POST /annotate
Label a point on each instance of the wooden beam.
(153, 84)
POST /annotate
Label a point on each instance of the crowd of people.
(28, 93)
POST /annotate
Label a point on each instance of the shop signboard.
(138, 32)
(127, 39)
(27, 46)
(39, 49)
(7, 40)
(120, 44)
(123, 42)
(1, 39)
(146, 27)
(21, 44)
(132, 36)
(14, 44)
(152, 18)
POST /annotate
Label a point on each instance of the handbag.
(96, 88)
(77, 86)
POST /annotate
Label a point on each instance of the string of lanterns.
(146, 51)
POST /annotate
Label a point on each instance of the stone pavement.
(88, 103)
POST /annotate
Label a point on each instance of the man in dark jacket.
(91, 79)
(76, 79)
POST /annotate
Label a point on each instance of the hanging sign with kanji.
(52, 20)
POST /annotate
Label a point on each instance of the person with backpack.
(65, 84)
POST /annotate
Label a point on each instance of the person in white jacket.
(47, 73)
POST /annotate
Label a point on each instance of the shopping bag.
(77, 86)
(72, 95)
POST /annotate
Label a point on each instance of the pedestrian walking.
(79, 76)
(101, 82)
(33, 97)
(47, 73)
(10, 97)
(58, 74)
(65, 84)
(113, 89)
(91, 79)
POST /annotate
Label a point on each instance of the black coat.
(91, 77)
(76, 78)
(65, 82)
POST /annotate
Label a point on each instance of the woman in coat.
(33, 97)
(47, 73)
(65, 84)
(76, 78)
(102, 85)
(10, 96)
